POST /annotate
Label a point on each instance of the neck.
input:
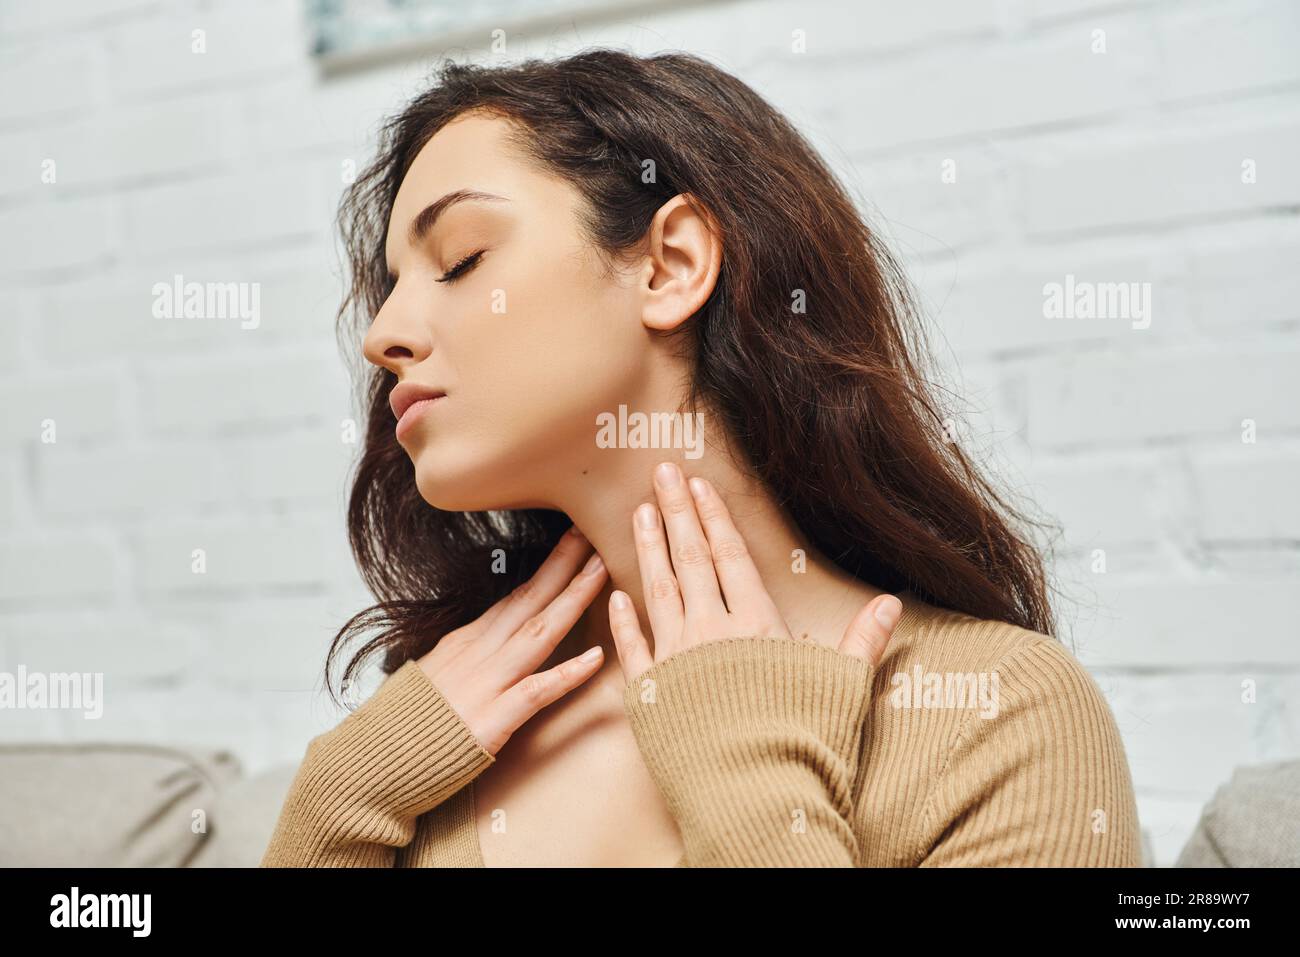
(814, 596)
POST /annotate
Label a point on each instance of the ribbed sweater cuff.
(362, 785)
(755, 743)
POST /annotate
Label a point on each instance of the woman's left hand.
(710, 563)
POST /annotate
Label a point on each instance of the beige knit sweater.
(775, 752)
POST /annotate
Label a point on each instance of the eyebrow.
(424, 222)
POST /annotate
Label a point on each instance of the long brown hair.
(829, 403)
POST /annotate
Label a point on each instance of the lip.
(413, 412)
(406, 394)
(408, 401)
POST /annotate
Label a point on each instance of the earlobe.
(684, 260)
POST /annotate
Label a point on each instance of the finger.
(633, 653)
(870, 630)
(537, 638)
(663, 599)
(534, 692)
(742, 586)
(531, 596)
(692, 562)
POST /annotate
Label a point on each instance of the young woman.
(710, 667)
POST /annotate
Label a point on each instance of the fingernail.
(668, 475)
(645, 516)
(618, 600)
(698, 488)
(591, 654)
(888, 611)
(594, 564)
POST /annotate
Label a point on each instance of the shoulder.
(954, 640)
(1020, 671)
(1029, 740)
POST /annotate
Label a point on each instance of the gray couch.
(125, 805)
(133, 805)
(1252, 821)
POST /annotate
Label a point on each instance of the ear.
(682, 264)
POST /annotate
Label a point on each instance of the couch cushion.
(108, 805)
(1250, 821)
(246, 814)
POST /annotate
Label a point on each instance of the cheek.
(566, 346)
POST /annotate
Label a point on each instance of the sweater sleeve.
(356, 797)
(755, 743)
(1040, 780)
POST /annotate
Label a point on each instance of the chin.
(453, 486)
(444, 491)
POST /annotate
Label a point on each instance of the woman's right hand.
(487, 669)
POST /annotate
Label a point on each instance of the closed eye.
(462, 267)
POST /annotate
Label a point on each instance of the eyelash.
(462, 267)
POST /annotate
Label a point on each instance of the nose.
(397, 338)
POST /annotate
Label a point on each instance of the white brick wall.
(1122, 166)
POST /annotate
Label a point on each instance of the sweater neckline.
(475, 843)
(907, 622)
(473, 826)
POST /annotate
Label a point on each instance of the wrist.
(754, 739)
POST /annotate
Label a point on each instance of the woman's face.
(504, 305)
